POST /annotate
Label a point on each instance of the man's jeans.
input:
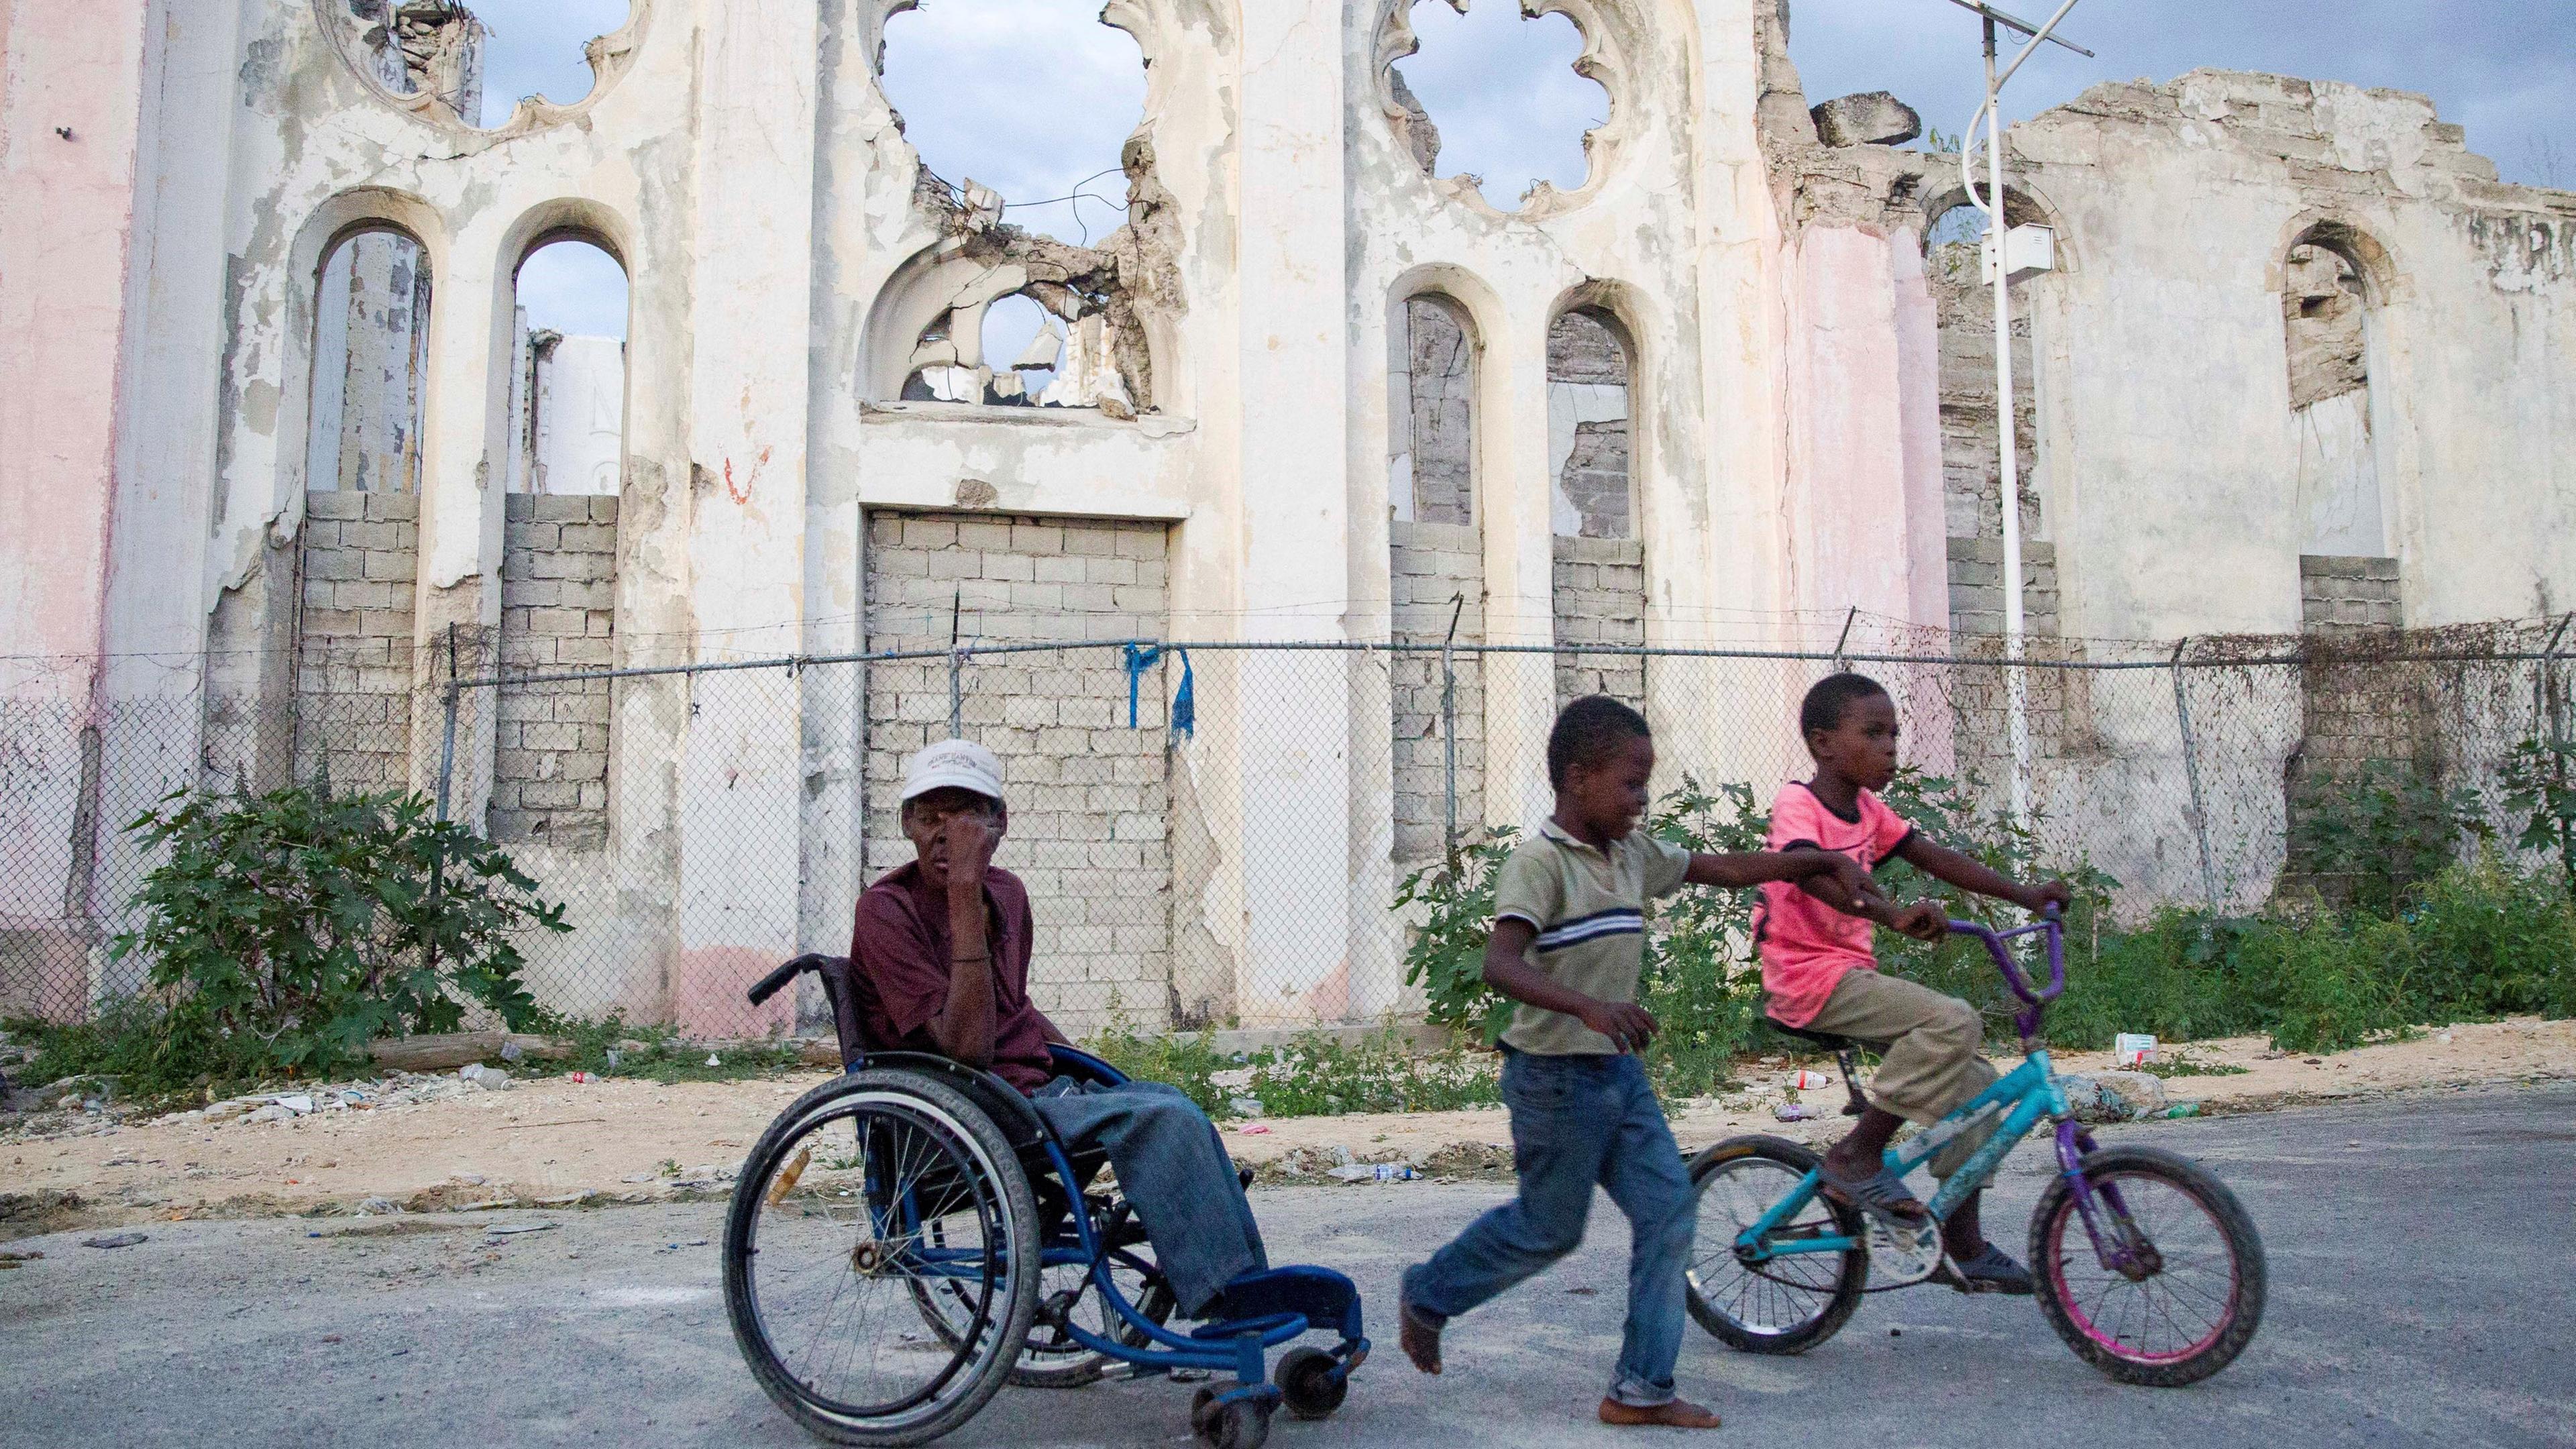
(1577, 1121)
(1174, 1168)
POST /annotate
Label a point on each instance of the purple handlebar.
(2032, 1000)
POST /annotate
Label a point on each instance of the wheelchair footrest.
(1327, 1299)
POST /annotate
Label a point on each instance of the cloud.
(1033, 98)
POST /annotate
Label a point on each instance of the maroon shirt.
(901, 950)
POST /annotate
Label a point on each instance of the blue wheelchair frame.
(1277, 1305)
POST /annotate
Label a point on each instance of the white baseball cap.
(958, 764)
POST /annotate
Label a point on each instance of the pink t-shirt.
(1806, 945)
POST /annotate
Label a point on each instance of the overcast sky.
(1512, 111)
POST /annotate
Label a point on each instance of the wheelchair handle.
(2032, 998)
(768, 986)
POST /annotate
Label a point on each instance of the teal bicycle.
(2144, 1263)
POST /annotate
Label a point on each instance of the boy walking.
(1568, 942)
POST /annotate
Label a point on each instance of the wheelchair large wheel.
(867, 1188)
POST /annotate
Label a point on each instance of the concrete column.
(1515, 502)
(464, 466)
(1296, 708)
(752, 283)
(1855, 479)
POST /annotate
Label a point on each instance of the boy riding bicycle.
(1820, 968)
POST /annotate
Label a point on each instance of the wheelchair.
(907, 1238)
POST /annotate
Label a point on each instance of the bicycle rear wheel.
(1785, 1304)
(2193, 1298)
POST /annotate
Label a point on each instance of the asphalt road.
(2420, 1273)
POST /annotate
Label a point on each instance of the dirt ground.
(556, 1142)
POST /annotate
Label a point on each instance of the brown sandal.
(1670, 1414)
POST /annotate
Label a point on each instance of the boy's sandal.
(1883, 1195)
(1992, 1270)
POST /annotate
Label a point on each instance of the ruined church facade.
(2300, 353)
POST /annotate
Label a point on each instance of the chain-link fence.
(1211, 834)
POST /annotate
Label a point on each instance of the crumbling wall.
(1090, 799)
(431, 48)
(1437, 441)
(558, 615)
(1437, 572)
(1600, 593)
(371, 356)
(1102, 303)
(1597, 567)
(353, 668)
(2323, 318)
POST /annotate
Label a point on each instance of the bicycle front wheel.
(2189, 1294)
(1788, 1303)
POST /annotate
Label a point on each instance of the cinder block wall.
(1977, 586)
(2352, 714)
(1090, 798)
(353, 666)
(2338, 592)
(1600, 598)
(1435, 569)
(558, 614)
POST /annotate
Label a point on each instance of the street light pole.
(2016, 682)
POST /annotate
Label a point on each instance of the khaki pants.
(1927, 1042)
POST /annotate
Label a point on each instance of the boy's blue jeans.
(1578, 1121)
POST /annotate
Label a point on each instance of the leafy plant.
(2383, 832)
(292, 928)
(1700, 980)
(2538, 788)
(1445, 954)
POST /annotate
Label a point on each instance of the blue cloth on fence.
(1174, 1168)
(1141, 657)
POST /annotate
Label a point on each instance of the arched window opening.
(358, 552)
(1963, 304)
(559, 545)
(2324, 318)
(1600, 560)
(1491, 97)
(1436, 571)
(1007, 341)
(1031, 100)
(568, 374)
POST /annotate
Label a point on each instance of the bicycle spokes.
(2160, 1282)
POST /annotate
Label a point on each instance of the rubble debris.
(2114, 1096)
(1869, 118)
(115, 1240)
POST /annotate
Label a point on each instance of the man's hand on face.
(973, 836)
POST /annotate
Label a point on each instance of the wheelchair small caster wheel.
(1235, 1424)
(1308, 1381)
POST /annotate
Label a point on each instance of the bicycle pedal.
(1905, 1255)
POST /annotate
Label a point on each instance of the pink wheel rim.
(2067, 1237)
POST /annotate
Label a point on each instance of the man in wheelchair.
(940, 964)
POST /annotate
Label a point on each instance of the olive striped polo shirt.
(1589, 907)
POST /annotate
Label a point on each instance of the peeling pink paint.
(65, 242)
(707, 1001)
